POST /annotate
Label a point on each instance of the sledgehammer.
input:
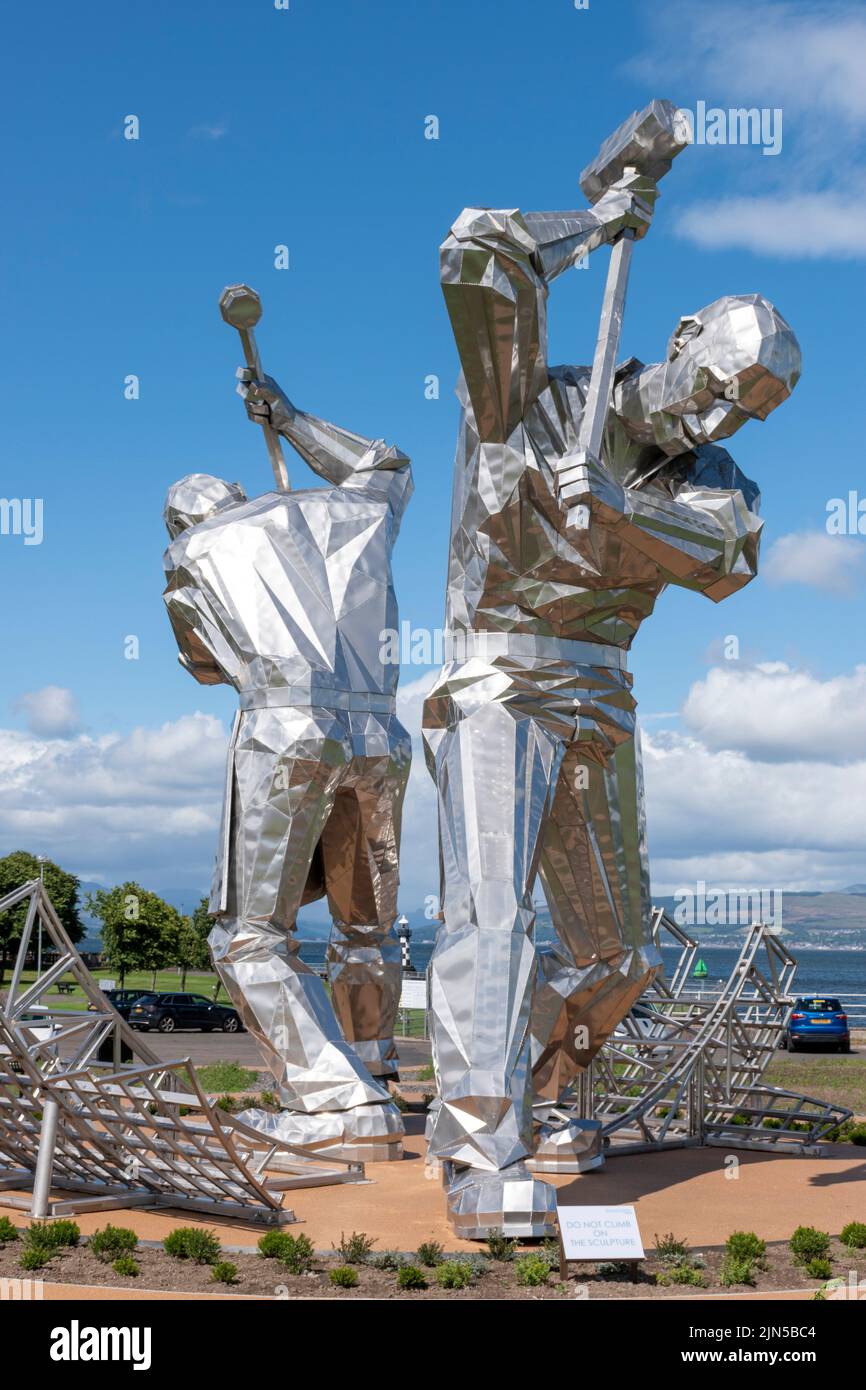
(646, 143)
(241, 307)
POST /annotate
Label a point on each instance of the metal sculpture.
(579, 495)
(285, 597)
(89, 1113)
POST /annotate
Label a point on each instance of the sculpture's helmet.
(197, 497)
(738, 348)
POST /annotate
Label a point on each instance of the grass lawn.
(167, 981)
(826, 1076)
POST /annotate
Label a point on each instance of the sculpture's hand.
(627, 206)
(264, 399)
(587, 489)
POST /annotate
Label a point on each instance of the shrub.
(269, 1098)
(344, 1276)
(670, 1248)
(298, 1254)
(745, 1245)
(683, 1273)
(126, 1265)
(819, 1268)
(274, 1244)
(225, 1076)
(191, 1243)
(500, 1247)
(228, 1103)
(807, 1243)
(453, 1274)
(52, 1235)
(8, 1232)
(110, 1242)
(356, 1249)
(34, 1256)
(430, 1253)
(857, 1134)
(411, 1277)
(736, 1271)
(478, 1265)
(224, 1272)
(532, 1270)
(853, 1235)
(386, 1260)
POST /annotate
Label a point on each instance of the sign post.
(594, 1234)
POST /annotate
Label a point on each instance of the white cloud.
(209, 130)
(51, 712)
(804, 225)
(832, 563)
(771, 713)
(805, 59)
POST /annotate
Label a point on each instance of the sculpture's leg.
(280, 803)
(495, 770)
(360, 847)
(595, 873)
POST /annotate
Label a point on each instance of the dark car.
(818, 1019)
(122, 999)
(168, 1012)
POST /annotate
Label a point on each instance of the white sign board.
(600, 1233)
(106, 985)
(414, 994)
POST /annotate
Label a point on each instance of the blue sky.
(305, 127)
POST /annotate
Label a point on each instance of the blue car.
(818, 1019)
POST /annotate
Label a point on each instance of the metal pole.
(45, 1160)
(607, 346)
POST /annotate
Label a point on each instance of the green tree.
(19, 868)
(191, 951)
(139, 929)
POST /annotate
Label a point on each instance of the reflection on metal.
(76, 1119)
(557, 555)
(688, 1067)
(286, 597)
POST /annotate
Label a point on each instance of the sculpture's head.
(736, 360)
(197, 497)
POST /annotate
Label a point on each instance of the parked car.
(168, 1012)
(122, 999)
(818, 1019)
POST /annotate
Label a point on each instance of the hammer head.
(240, 306)
(648, 141)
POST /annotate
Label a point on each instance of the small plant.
(430, 1253)
(269, 1098)
(127, 1266)
(426, 1073)
(224, 1272)
(228, 1103)
(745, 1245)
(298, 1254)
(401, 1102)
(500, 1247)
(52, 1235)
(34, 1256)
(670, 1249)
(354, 1250)
(411, 1277)
(453, 1274)
(225, 1076)
(8, 1232)
(819, 1268)
(532, 1270)
(344, 1276)
(386, 1260)
(857, 1134)
(112, 1241)
(192, 1243)
(853, 1235)
(274, 1244)
(736, 1271)
(478, 1265)
(807, 1243)
(682, 1273)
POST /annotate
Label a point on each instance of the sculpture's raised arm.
(495, 266)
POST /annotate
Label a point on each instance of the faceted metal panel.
(556, 558)
(285, 597)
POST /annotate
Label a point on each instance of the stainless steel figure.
(285, 597)
(530, 728)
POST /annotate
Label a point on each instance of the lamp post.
(40, 859)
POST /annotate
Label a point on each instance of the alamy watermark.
(738, 125)
(22, 516)
(727, 907)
